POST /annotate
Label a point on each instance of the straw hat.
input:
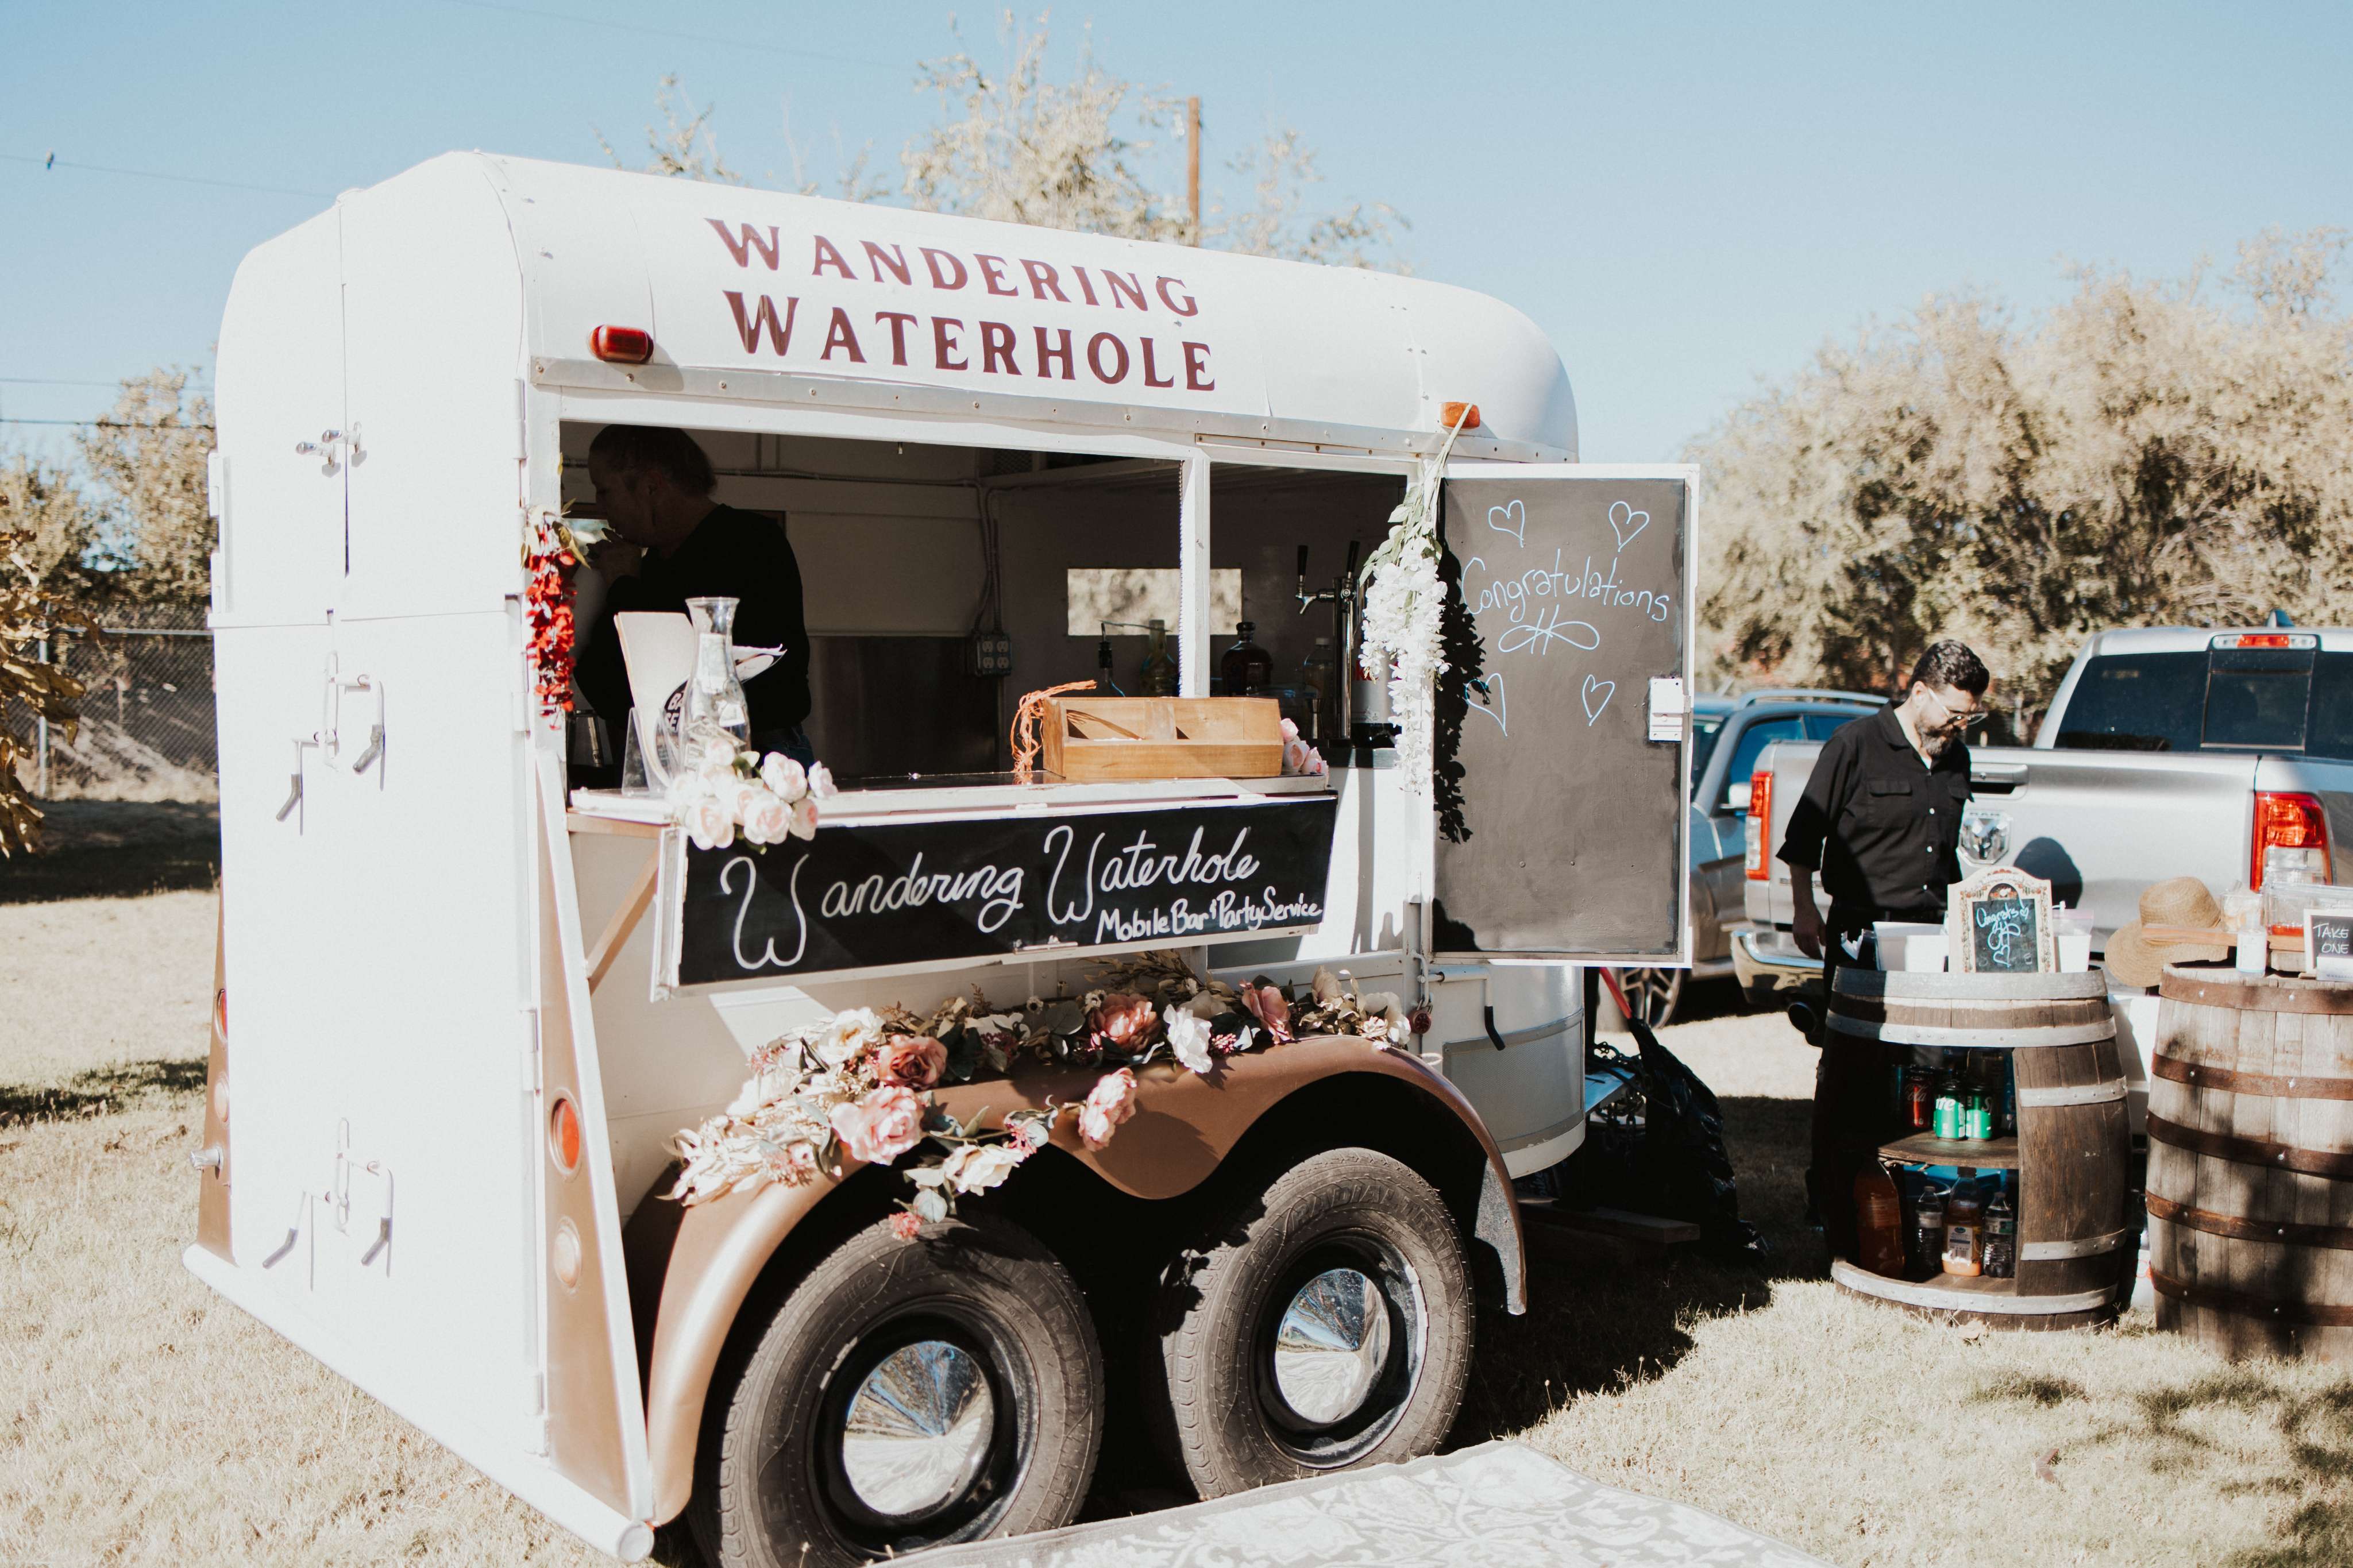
(2182, 902)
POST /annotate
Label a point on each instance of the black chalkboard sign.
(2005, 934)
(2329, 943)
(1576, 586)
(867, 895)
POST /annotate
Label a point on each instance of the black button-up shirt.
(730, 554)
(1882, 829)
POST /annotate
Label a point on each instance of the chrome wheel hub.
(1332, 1345)
(916, 1434)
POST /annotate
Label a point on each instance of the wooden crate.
(1095, 737)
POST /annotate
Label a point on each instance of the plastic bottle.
(1247, 669)
(1925, 1237)
(1965, 1231)
(1878, 1224)
(1319, 675)
(2000, 1236)
(1159, 675)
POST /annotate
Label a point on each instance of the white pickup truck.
(2168, 752)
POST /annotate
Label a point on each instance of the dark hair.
(1951, 664)
(637, 447)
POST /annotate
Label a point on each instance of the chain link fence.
(147, 730)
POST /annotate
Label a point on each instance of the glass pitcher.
(716, 717)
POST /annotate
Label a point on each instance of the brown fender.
(1183, 1126)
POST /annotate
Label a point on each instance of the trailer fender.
(1183, 1127)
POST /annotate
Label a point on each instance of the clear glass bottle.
(1319, 676)
(1159, 675)
(1247, 669)
(717, 716)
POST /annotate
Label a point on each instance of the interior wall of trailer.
(892, 542)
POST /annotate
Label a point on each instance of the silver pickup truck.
(2168, 752)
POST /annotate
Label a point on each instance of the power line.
(689, 37)
(108, 424)
(54, 161)
(70, 380)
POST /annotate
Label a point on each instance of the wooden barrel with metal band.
(2073, 1251)
(2250, 1162)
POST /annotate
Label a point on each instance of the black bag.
(1659, 1150)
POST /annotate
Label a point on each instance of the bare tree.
(147, 460)
(684, 143)
(2144, 453)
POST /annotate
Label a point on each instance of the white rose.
(850, 1031)
(1188, 1037)
(709, 822)
(976, 1167)
(804, 825)
(766, 818)
(820, 781)
(1326, 987)
(784, 776)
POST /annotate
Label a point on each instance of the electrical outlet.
(989, 653)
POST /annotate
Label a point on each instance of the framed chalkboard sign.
(866, 896)
(2329, 943)
(1999, 922)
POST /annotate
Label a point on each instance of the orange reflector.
(621, 345)
(1464, 416)
(220, 1012)
(563, 1134)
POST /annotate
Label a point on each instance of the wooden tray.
(1096, 738)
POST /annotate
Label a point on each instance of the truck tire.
(906, 1394)
(1324, 1323)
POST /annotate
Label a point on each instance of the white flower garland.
(1404, 616)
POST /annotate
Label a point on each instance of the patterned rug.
(1494, 1506)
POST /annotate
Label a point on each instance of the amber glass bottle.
(1247, 669)
(1878, 1224)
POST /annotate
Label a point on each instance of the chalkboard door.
(1572, 734)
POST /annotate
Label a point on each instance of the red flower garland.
(548, 602)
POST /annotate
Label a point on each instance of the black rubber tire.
(1206, 1391)
(761, 1497)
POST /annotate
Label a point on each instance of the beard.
(1935, 746)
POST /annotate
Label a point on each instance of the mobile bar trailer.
(475, 1005)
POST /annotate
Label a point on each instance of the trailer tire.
(1274, 1362)
(964, 1363)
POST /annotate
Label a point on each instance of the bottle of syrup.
(1247, 669)
(1878, 1224)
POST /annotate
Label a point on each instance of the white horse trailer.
(441, 1106)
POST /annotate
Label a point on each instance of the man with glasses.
(1880, 820)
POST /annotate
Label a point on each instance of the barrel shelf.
(2075, 1242)
(1971, 1153)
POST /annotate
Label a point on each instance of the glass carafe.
(717, 717)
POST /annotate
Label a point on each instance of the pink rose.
(1266, 1004)
(914, 1060)
(804, 825)
(881, 1127)
(820, 781)
(784, 776)
(905, 1226)
(709, 822)
(1108, 1103)
(766, 818)
(1123, 1020)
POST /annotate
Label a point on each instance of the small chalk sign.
(1999, 922)
(2329, 943)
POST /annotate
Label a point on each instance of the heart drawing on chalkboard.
(1626, 522)
(1596, 695)
(1490, 687)
(1513, 521)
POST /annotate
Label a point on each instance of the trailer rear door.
(1572, 738)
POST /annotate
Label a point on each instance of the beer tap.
(1342, 598)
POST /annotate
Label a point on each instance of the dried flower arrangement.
(859, 1085)
(554, 547)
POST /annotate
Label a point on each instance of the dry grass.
(152, 1421)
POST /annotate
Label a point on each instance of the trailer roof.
(753, 294)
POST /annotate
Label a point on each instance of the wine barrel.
(2250, 1162)
(2071, 1151)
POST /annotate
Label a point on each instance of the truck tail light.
(1759, 827)
(621, 345)
(2289, 822)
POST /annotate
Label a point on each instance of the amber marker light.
(621, 345)
(563, 1134)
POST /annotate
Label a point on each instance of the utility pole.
(1193, 166)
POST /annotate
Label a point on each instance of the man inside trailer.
(672, 542)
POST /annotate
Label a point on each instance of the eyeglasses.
(1954, 718)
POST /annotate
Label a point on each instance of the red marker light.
(563, 1134)
(621, 345)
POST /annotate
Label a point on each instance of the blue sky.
(1686, 198)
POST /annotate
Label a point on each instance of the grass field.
(148, 1421)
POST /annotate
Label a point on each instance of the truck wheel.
(907, 1394)
(1653, 994)
(1325, 1322)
